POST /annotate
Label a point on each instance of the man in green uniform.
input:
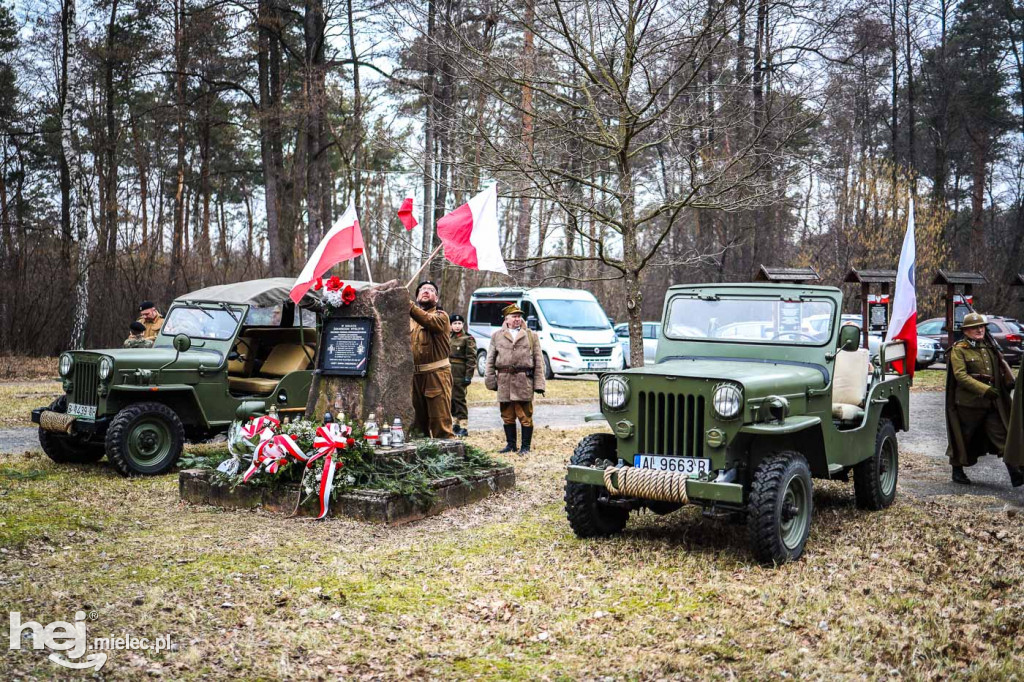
(463, 359)
(137, 336)
(978, 385)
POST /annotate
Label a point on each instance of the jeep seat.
(849, 385)
(285, 358)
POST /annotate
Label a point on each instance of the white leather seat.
(849, 385)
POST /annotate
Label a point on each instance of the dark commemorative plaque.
(878, 317)
(345, 346)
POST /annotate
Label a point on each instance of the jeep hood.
(758, 377)
(152, 358)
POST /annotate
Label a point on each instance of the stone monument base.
(373, 506)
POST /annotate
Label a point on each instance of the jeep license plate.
(86, 411)
(691, 466)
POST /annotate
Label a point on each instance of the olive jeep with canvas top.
(222, 351)
(745, 404)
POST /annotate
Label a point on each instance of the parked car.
(1006, 331)
(220, 348)
(652, 330)
(576, 336)
(740, 424)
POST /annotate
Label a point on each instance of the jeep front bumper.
(76, 426)
(696, 491)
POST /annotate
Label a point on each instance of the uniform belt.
(432, 366)
(514, 370)
(458, 361)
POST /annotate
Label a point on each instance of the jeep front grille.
(86, 380)
(671, 424)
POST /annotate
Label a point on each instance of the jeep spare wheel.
(145, 438)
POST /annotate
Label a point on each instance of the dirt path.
(927, 436)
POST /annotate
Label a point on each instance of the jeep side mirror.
(849, 337)
(182, 343)
(531, 322)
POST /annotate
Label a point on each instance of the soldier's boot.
(1016, 475)
(959, 476)
(527, 439)
(510, 438)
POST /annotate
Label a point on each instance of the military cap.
(424, 283)
(973, 320)
(513, 309)
(146, 305)
(137, 327)
(456, 318)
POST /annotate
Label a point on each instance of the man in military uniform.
(978, 385)
(151, 319)
(463, 359)
(515, 369)
(137, 336)
(432, 381)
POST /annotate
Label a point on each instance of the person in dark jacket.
(463, 359)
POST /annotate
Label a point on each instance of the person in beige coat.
(515, 369)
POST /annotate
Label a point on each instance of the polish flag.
(342, 242)
(470, 233)
(405, 214)
(903, 325)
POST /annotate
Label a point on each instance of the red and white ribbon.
(264, 426)
(329, 439)
(273, 453)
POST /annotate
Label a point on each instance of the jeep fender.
(182, 399)
(802, 434)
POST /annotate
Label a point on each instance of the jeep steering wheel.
(806, 336)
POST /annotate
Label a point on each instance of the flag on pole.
(470, 233)
(903, 325)
(342, 242)
(405, 214)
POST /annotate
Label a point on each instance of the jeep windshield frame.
(764, 319)
(204, 321)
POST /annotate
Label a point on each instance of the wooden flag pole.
(366, 261)
(429, 258)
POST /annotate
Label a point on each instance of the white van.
(575, 334)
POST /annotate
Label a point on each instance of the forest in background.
(153, 147)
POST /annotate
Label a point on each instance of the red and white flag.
(903, 325)
(342, 242)
(405, 214)
(470, 233)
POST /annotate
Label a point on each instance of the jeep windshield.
(574, 314)
(201, 323)
(750, 319)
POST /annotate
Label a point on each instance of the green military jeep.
(749, 398)
(224, 350)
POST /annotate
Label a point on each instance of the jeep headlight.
(728, 399)
(105, 368)
(64, 366)
(614, 392)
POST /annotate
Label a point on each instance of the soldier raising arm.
(432, 381)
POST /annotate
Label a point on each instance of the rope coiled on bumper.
(647, 484)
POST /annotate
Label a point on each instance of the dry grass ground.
(929, 589)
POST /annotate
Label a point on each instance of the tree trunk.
(180, 104)
(526, 140)
(268, 66)
(110, 146)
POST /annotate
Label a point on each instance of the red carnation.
(351, 441)
(334, 283)
(319, 284)
(348, 294)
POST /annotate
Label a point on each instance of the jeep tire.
(588, 517)
(874, 479)
(67, 449)
(145, 439)
(780, 508)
